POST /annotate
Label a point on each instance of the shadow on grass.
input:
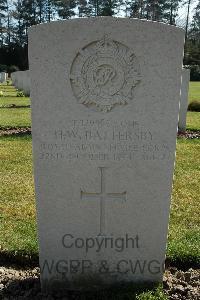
(183, 263)
(20, 259)
(30, 288)
(15, 106)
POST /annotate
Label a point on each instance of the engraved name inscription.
(102, 140)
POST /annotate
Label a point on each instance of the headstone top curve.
(107, 19)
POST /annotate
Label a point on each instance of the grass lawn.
(184, 233)
(17, 207)
(18, 101)
(194, 91)
(193, 120)
(9, 93)
(15, 117)
(8, 90)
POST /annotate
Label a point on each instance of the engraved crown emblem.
(104, 74)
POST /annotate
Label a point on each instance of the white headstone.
(13, 77)
(184, 100)
(26, 83)
(18, 79)
(104, 120)
(3, 77)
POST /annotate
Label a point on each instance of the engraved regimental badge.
(104, 75)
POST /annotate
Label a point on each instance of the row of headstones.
(3, 77)
(21, 80)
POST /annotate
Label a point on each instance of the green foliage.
(20, 94)
(83, 8)
(156, 10)
(195, 72)
(192, 47)
(194, 106)
(18, 16)
(194, 91)
(196, 19)
(193, 120)
(156, 294)
(65, 8)
(3, 68)
(12, 68)
(109, 7)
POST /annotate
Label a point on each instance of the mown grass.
(15, 117)
(184, 233)
(17, 206)
(9, 93)
(194, 91)
(193, 120)
(18, 101)
(8, 90)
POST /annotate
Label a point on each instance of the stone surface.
(13, 77)
(184, 100)
(3, 77)
(26, 83)
(17, 78)
(21, 80)
(105, 109)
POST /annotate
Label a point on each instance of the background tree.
(16, 16)
(192, 49)
(83, 8)
(155, 10)
(2, 21)
(110, 7)
(65, 8)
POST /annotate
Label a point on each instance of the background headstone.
(3, 77)
(104, 122)
(13, 77)
(21, 80)
(26, 83)
(184, 100)
(18, 75)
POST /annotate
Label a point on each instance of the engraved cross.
(103, 196)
